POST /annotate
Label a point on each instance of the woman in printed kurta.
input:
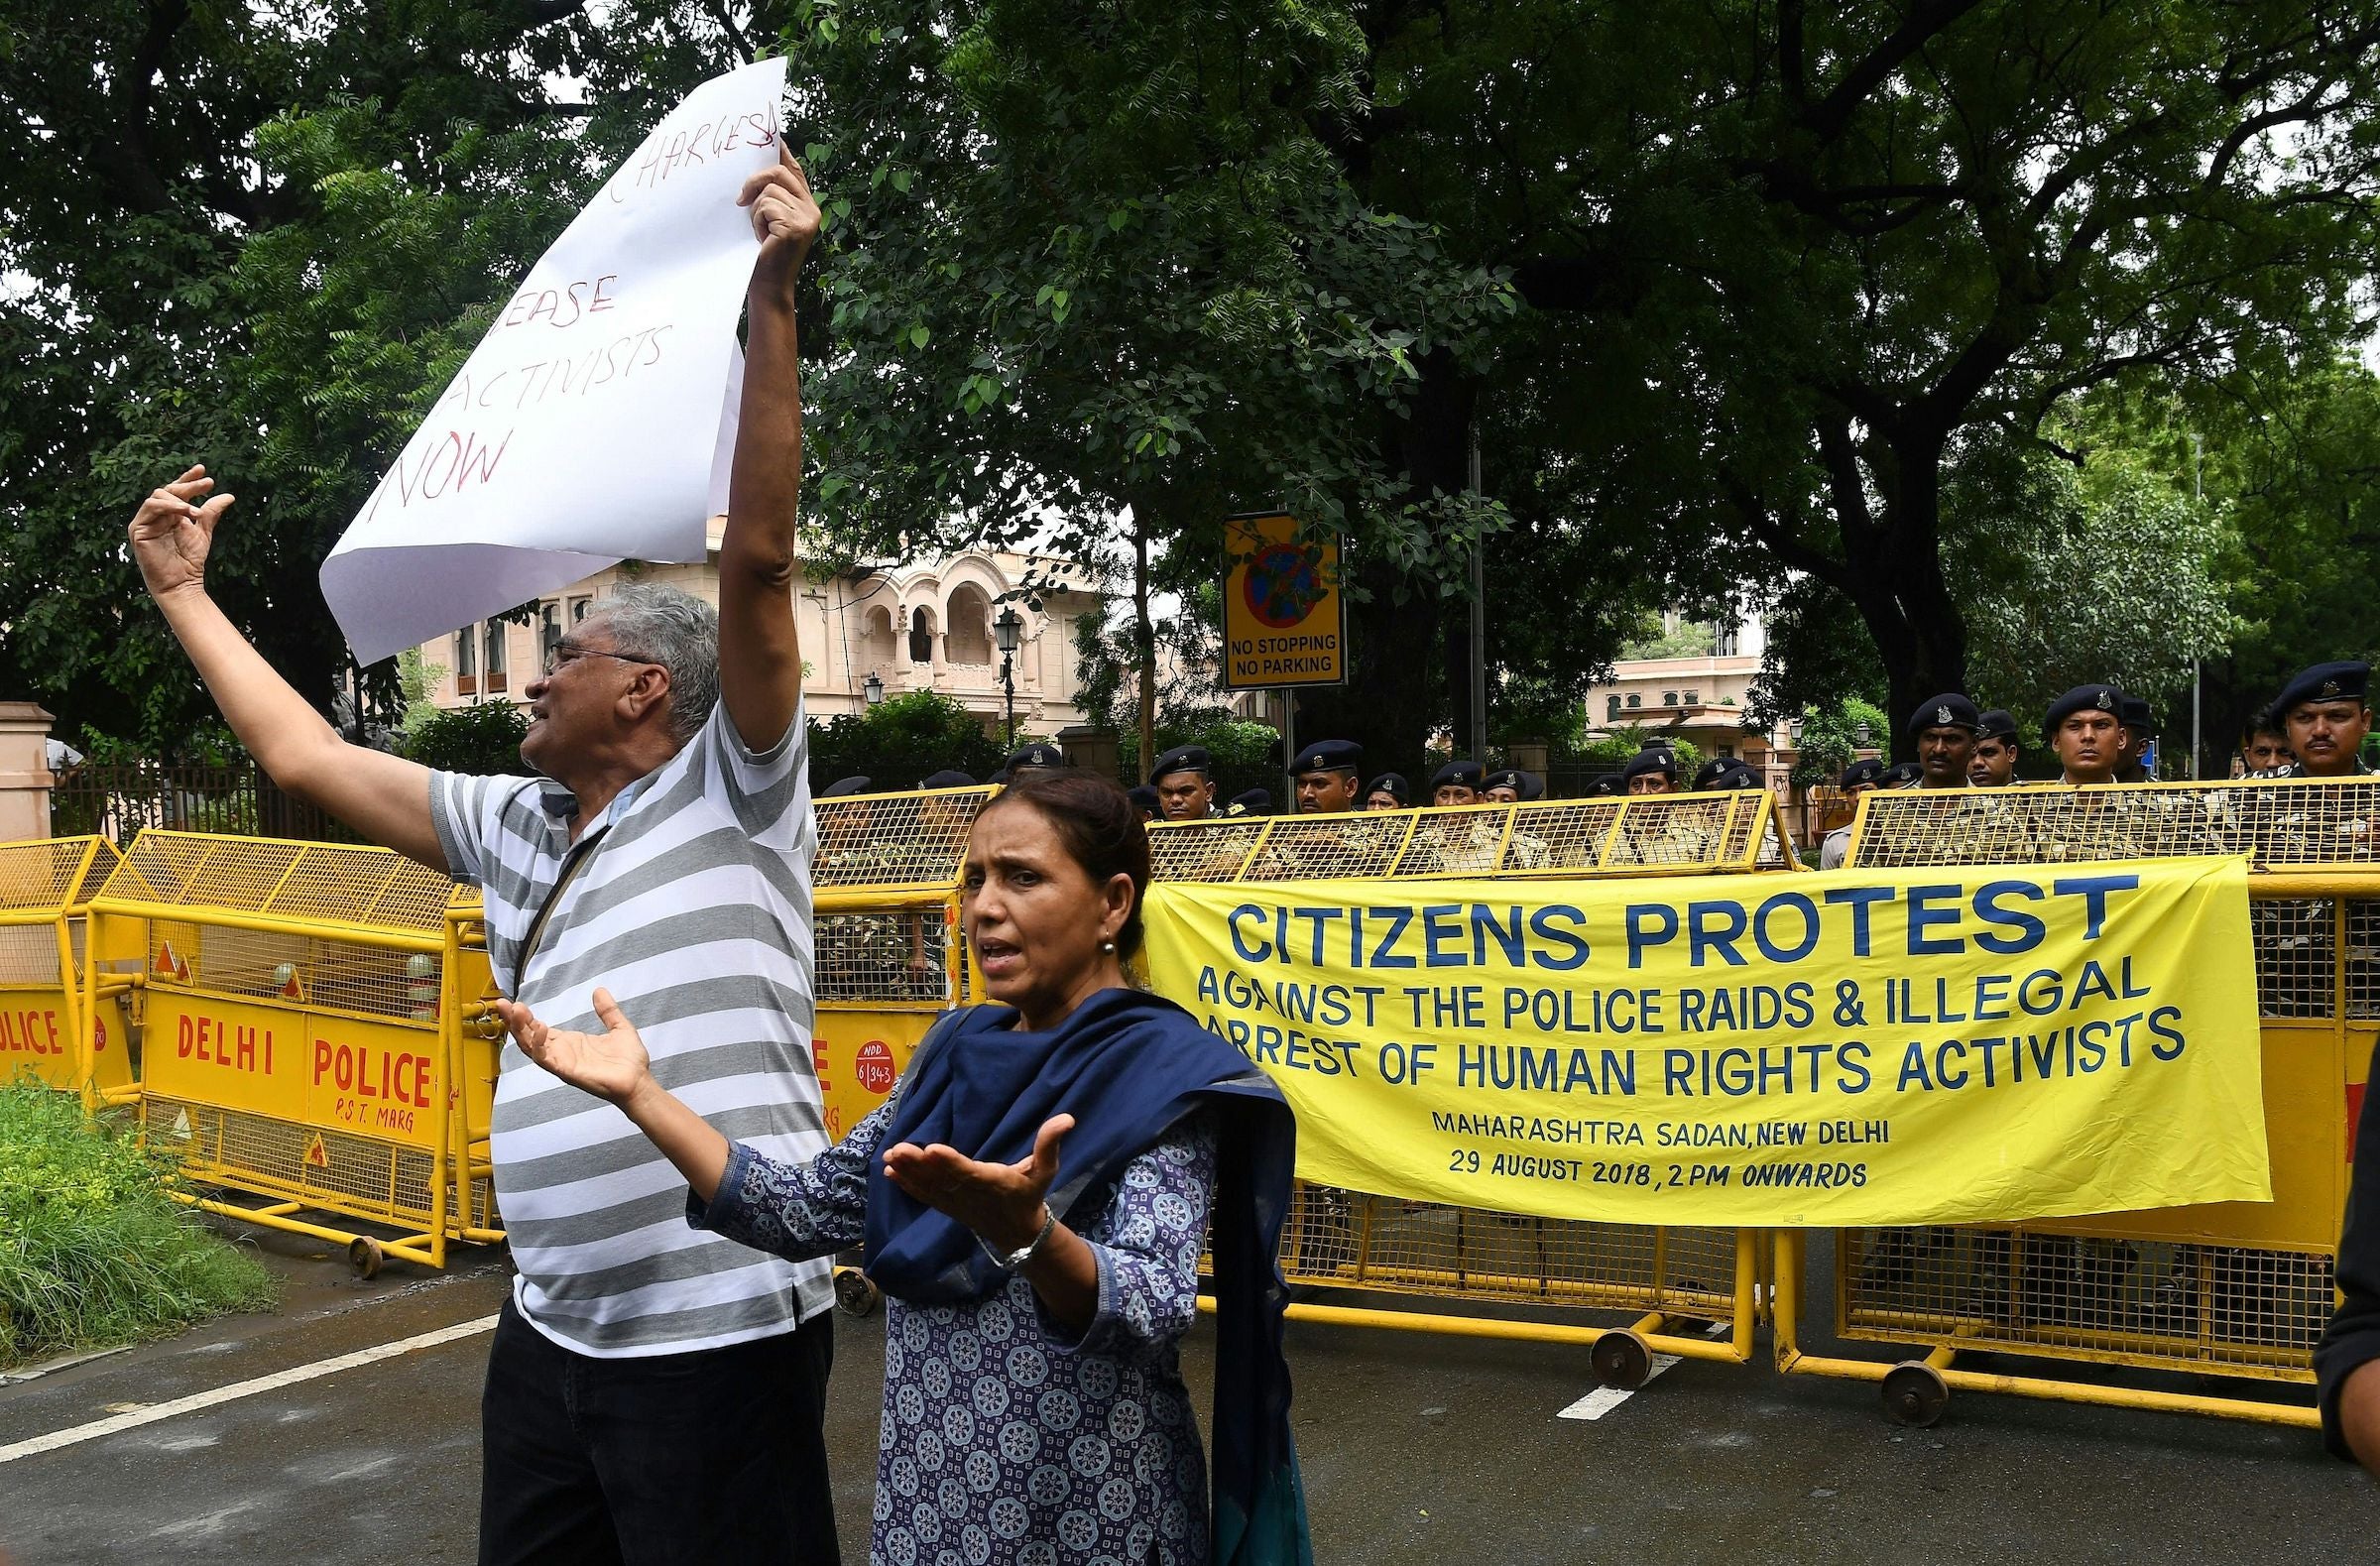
(1033, 1403)
(1005, 1436)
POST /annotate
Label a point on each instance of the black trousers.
(713, 1457)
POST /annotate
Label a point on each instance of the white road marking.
(1604, 1399)
(78, 1434)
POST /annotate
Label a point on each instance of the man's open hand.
(172, 531)
(784, 218)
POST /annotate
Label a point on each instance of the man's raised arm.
(760, 656)
(385, 797)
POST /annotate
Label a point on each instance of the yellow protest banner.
(1906, 1046)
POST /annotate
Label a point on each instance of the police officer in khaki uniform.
(1862, 777)
(2085, 727)
(1995, 763)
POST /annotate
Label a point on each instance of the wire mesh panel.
(50, 873)
(1350, 1240)
(2235, 1310)
(1684, 833)
(326, 882)
(2121, 1288)
(359, 1175)
(894, 840)
(2278, 823)
(900, 955)
(1202, 850)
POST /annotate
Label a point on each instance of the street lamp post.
(873, 688)
(1005, 631)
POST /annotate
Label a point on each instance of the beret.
(1461, 773)
(1524, 784)
(1392, 784)
(1254, 802)
(1604, 788)
(1998, 724)
(1652, 758)
(1143, 798)
(1038, 754)
(2136, 714)
(1948, 711)
(1870, 770)
(1326, 756)
(845, 786)
(2083, 698)
(1181, 759)
(2323, 682)
(947, 778)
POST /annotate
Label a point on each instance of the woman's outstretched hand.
(611, 1066)
(1002, 1202)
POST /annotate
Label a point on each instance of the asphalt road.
(1415, 1448)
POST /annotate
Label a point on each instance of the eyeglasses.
(563, 653)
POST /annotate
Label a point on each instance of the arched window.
(970, 638)
(921, 637)
(1612, 705)
(877, 642)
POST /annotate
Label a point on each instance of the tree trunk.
(1144, 643)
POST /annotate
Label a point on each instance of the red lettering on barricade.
(210, 1042)
(30, 1034)
(875, 1067)
(369, 1073)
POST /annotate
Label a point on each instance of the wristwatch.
(1018, 1258)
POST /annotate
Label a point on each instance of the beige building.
(1701, 698)
(931, 626)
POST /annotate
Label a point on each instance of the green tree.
(483, 739)
(901, 740)
(263, 239)
(1096, 278)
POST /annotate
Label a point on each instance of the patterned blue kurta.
(1003, 1439)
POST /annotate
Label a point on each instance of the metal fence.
(121, 801)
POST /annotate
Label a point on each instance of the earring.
(1108, 946)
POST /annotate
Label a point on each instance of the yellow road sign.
(1283, 622)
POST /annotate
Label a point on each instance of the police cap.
(1948, 711)
(1863, 774)
(1652, 758)
(1038, 754)
(1392, 784)
(1998, 724)
(844, 785)
(1604, 788)
(1462, 773)
(1524, 785)
(2323, 682)
(1143, 799)
(1254, 802)
(1325, 756)
(1903, 775)
(947, 778)
(1182, 758)
(1725, 771)
(2083, 698)
(2136, 714)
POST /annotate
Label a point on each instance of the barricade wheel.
(365, 1256)
(1622, 1360)
(1915, 1393)
(854, 1293)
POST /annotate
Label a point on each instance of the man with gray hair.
(654, 1392)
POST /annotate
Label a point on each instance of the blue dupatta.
(1128, 1066)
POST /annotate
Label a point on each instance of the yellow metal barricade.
(891, 957)
(1675, 1281)
(314, 1031)
(48, 1027)
(2238, 1291)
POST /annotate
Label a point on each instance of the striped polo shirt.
(693, 909)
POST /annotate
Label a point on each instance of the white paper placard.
(594, 422)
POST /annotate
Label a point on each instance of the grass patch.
(93, 1251)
